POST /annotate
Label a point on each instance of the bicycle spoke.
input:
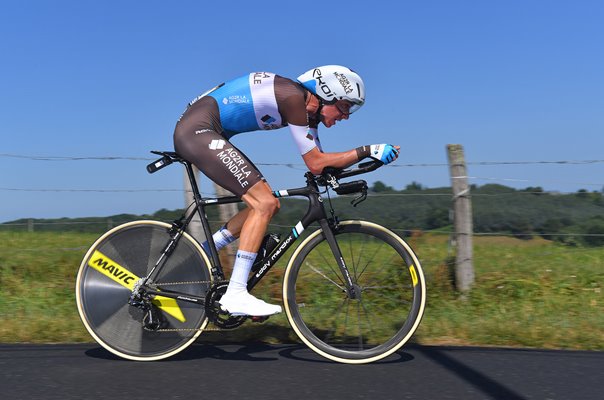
(315, 269)
(335, 318)
(360, 339)
(356, 262)
(371, 259)
(368, 315)
(328, 262)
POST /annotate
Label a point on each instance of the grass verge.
(527, 294)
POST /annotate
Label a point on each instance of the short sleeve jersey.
(262, 101)
(248, 103)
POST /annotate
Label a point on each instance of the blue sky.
(510, 81)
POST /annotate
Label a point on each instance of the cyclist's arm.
(305, 138)
(316, 160)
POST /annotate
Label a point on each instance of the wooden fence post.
(462, 218)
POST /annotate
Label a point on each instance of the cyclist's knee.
(260, 199)
(268, 206)
(276, 206)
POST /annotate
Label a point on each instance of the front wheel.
(388, 280)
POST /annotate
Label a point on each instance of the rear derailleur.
(153, 319)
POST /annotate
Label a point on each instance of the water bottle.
(269, 243)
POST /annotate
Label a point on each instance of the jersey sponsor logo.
(236, 99)
(258, 76)
(236, 165)
(216, 144)
(269, 122)
(267, 119)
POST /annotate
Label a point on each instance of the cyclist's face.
(330, 113)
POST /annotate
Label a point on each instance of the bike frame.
(315, 213)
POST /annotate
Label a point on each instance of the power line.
(294, 165)
(91, 190)
(531, 180)
(378, 194)
(65, 158)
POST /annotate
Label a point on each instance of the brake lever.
(358, 200)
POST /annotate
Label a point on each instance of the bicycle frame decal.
(298, 229)
(127, 279)
(275, 256)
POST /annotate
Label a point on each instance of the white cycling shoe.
(244, 303)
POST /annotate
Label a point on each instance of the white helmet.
(334, 82)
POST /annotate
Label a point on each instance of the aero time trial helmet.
(332, 83)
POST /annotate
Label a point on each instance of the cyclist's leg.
(197, 140)
(226, 165)
(262, 206)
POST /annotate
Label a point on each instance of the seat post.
(193, 182)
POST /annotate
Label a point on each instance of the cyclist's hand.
(385, 153)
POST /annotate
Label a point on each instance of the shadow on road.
(200, 351)
(302, 353)
(248, 352)
(470, 375)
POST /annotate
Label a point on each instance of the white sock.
(221, 238)
(241, 272)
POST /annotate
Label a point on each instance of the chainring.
(219, 318)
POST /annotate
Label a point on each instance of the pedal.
(260, 319)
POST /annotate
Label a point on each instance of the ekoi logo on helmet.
(322, 85)
(334, 82)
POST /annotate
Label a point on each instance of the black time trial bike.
(353, 291)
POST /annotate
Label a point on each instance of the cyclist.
(260, 101)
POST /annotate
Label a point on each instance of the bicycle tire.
(105, 280)
(392, 286)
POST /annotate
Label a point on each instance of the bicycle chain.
(206, 329)
(187, 283)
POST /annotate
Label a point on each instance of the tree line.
(570, 218)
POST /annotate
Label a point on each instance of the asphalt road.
(257, 371)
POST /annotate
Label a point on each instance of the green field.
(528, 293)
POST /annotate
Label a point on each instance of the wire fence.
(31, 224)
(301, 166)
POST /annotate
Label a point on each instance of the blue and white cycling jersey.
(248, 104)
